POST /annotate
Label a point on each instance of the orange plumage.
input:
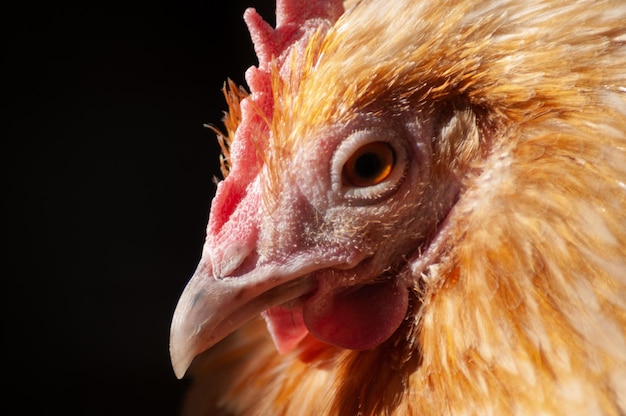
(426, 201)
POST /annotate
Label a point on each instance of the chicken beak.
(210, 308)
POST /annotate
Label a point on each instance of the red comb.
(296, 21)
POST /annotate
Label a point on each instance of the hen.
(425, 203)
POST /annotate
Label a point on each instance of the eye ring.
(369, 165)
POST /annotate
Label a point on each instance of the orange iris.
(370, 164)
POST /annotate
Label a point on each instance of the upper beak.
(209, 308)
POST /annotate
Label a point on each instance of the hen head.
(455, 169)
(338, 195)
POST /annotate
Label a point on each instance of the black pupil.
(368, 165)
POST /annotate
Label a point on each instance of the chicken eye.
(369, 165)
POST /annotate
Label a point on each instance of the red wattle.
(357, 319)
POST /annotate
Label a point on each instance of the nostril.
(227, 261)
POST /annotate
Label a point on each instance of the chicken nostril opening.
(225, 262)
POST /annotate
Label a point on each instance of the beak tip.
(180, 358)
(180, 367)
(182, 352)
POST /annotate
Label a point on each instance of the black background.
(109, 180)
